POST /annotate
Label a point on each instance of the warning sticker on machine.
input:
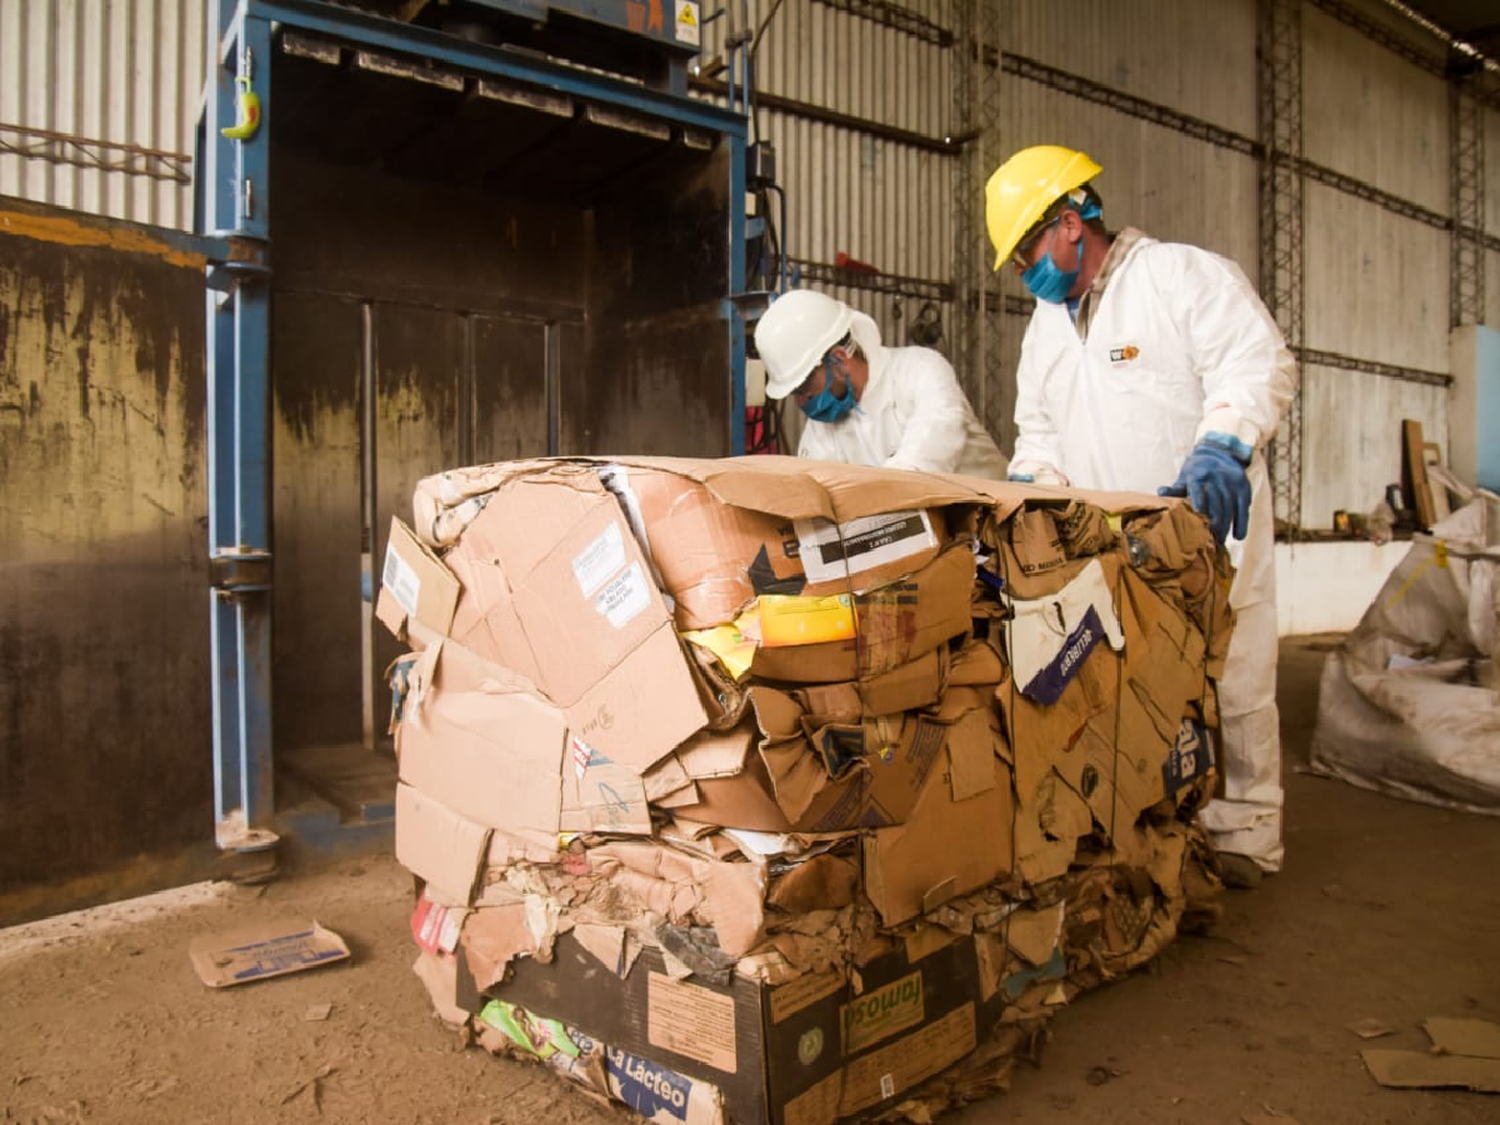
(689, 29)
(691, 1020)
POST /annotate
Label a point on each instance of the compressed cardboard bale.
(714, 558)
(897, 624)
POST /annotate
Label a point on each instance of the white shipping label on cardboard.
(691, 1020)
(603, 557)
(625, 598)
(401, 580)
(831, 551)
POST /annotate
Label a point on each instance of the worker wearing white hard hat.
(1154, 366)
(865, 403)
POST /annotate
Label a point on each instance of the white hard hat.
(795, 333)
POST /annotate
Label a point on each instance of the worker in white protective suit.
(1153, 366)
(867, 404)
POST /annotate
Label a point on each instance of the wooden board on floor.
(1414, 473)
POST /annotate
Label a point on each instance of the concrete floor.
(1387, 910)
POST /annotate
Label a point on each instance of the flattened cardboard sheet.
(262, 950)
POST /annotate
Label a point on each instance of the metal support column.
(997, 412)
(235, 198)
(1281, 179)
(967, 206)
(1466, 171)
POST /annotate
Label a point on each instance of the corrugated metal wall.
(866, 99)
(1492, 216)
(98, 85)
(880, 195)
(1376, 282)
(1119, 79)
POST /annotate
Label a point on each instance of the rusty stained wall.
(105, 740)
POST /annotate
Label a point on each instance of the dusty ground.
(1386, 910)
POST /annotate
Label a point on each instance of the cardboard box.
(440, 847)
(829, 775)
(731, 786)
(1111, 728)
(414, 584)
(805, 1053)
(561, 565)
(714, 558)
(897, 624)
(478, 739)
(954, 842)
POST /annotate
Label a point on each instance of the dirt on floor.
(1387, 910)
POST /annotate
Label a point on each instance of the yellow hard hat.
(1022, 189)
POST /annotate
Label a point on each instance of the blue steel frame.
(232, 204)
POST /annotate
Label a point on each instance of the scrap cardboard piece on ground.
(262, 950)
(1370, 1028)
(1465, 1054)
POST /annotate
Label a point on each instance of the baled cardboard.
(731, 786)
(896, 624)
(610, 797)
(684, 887)
(582, 595)
(796, 1054)
(834, 776)
(476, 737)
(494, 936)
(907, 687)
(946, 848)
(436, 844)
(414, 584)
(439, 973)
(485, 620)
(714, 556)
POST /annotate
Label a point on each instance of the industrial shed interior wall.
(867, 173)
(129, 72)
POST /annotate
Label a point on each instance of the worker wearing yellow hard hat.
(1153, 365)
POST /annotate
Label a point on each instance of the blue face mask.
(1049, 283)
(825, 406)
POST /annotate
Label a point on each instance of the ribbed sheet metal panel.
(1351, 437)
(1492, 289)
(128, 72)
(1492, 174)
(1198, 58)
(1372, 115)
(880, 202)
(852, 190)
(1376, 283)
(1174, 187)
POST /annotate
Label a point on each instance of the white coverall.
(1177, 345)
(912, 414)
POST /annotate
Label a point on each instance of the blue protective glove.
(1213, 480)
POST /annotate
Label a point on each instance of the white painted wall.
(1326, 587)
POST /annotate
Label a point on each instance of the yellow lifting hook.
(247, 102)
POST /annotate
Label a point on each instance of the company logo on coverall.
(1123, 355)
